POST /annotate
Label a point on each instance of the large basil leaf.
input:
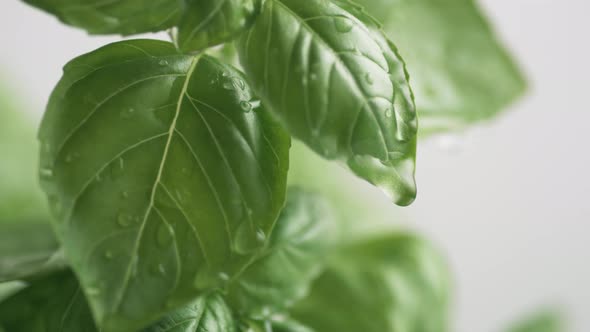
(211, 22)
(124, 17)
(539, 322)
(20, 195)
(28, 250)
(55, 303)
(162, 174)
(209, 313)
(276, 323)
(393, 283)
(460, 72)
(294, 257)
(337, 85)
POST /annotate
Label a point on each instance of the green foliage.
(392, 283)
(545, 321)
(174, 147)
(338, 86)
(460, 72)
(166, 168)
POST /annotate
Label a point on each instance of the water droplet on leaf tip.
(246, 106)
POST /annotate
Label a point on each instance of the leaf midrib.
(171, 130)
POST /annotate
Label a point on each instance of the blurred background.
(506, 201)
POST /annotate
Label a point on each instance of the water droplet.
(343, 24)
(388, 113)
(46, 173)
(125, 220)
(163, 62)
(165, 235)
(93, 291)
(369, 78)
(247, 240)
(246, 106)
(125, 194)
(158, 269)
(127, 113)
(260, 235)
(224, 276)
(118, 168)
(240, 84)
(55, 205)
(228, 86)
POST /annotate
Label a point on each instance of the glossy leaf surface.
(162, 174)
(55, 303)
(124, 17)
(294, 257)
(393, 283)
(461, 73)
(209, 313)
(198, 24)
(339, 86)
(211, 22)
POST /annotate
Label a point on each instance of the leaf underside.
(162, 175)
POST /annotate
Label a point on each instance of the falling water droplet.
(246, 106)
(343, 24)
(164, 235)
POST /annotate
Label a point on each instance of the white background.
(509, 205)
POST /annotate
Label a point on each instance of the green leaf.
(28, 250)
(337, 85)
(546, 321)
(55, 303)
(124, 17)
(461, 73)
(392, 283)
(277, 323)
(209, 313)
(20, 195)
(163, 175)
(284, 271)
(199, 23)
(211, 22)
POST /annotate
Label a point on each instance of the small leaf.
(211, 22)
(164, 172)
(339, 86)
(209, 313)
(55, 303)
(393, 283)
(546, 321)
(461, 73)
(283, 273)
(124, 17)
(28, 250)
